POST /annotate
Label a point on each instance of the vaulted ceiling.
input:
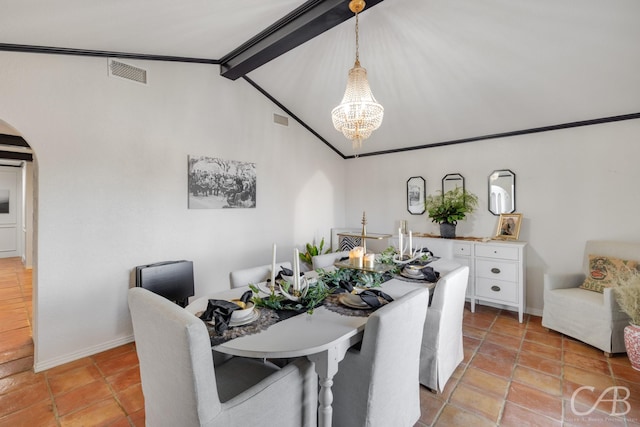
(446, 71)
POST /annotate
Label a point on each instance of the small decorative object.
(628, 297)
(509, 226)
(415, 195)
(297, 291)
(449, 208)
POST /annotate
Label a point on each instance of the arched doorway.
(16, 195)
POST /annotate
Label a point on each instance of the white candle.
(400, 242)
(369, 260)
(410, 244)
(296, 270)
(273, 266)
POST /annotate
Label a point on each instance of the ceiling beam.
(309, 20)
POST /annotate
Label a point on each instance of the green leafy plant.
(313, 250)
(450, 207)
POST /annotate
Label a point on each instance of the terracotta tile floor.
(513, 375)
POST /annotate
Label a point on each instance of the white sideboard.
(496, 268)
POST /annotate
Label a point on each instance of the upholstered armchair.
(586, 315)
(258, 274)
(442, 348)
(181, 386)
(378, 384)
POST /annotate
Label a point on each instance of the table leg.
(326, 364)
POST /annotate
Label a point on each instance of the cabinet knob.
(495, 288)
(495, 270)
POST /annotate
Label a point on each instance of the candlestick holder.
(296, 295)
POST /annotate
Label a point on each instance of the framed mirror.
(502, 192)
(451, 181)
(416, 193)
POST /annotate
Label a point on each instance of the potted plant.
(628, 298)
(449, 208)
(312, 250)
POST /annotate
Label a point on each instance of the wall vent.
(127, 72)
(281, 120)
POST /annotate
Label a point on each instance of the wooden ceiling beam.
(306, 22)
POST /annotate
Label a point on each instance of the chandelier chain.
(357, 40)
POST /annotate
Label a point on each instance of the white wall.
(571, 185)
(111, 190)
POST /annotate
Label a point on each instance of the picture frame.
(416, 195)
(509, 226)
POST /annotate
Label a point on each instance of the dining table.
(323, 336)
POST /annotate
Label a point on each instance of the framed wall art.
(216, 183)
(416, 193)
(509, 226)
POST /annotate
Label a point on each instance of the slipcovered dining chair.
(442, 349)
(181, 386)
(327, 260)
(258, 274)
(378, 384)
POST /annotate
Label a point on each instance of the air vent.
(127, 72)
(281, 120)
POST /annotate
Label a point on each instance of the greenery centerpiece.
(449, 208)
(314, 295)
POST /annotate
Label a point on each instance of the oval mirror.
(451, 181)
(502, 192)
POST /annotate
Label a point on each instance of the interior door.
(10, 199)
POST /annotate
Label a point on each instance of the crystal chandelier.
(359, 113)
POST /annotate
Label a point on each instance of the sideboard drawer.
(497, 270)
(497, 290)
(462, 249)
(497, 251)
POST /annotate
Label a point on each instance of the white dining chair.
(254, 275)
(181, 386)
(378, 384)
(327, 260)
(442, 348)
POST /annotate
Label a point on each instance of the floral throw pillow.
(605, 271)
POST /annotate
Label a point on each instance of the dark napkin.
(370, 297)
(430, 274)
(220, 312)
(343, 286)
(286, 272)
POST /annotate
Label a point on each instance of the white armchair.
(243, 277)
(591, 317)
(181, 387)
(442, 348)
(378, 385)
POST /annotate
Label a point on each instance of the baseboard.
(89, 351)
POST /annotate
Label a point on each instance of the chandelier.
(359, 113)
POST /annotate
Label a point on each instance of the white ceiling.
(443, 69)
